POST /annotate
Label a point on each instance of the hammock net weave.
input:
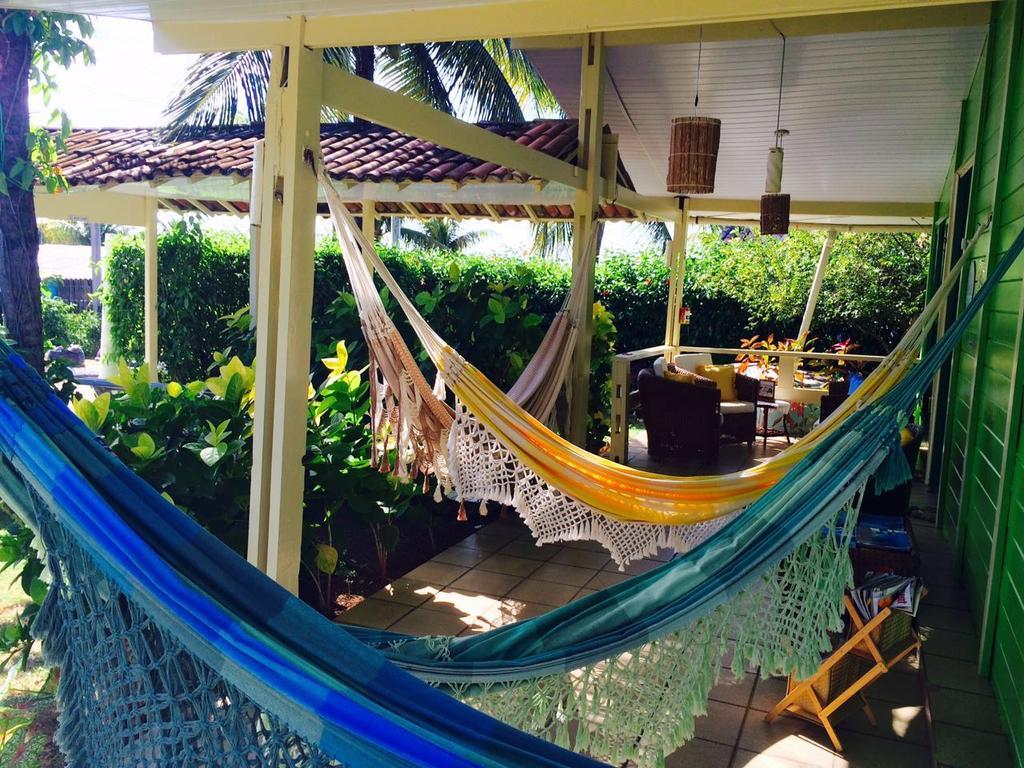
(176, 652)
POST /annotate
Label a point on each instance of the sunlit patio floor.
(931, 711)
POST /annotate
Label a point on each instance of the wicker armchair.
(684, 420)
(681, 420)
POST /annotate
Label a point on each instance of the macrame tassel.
(463, 517)
(484, 509)
(894, 470)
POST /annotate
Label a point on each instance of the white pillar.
(369, 217)
(585, 207)
(150, 283)
(255, 222)
(676, 276)
(819, 277)
(95, 259)
(285, 301)
(108, 354)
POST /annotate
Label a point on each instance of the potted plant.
(839, 373)
(760, 353)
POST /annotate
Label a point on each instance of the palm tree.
(440, 235)
(476, 79)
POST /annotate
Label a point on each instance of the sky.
(130, 84)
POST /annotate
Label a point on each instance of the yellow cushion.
(724, 377)
(674, 373)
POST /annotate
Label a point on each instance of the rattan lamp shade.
(775, 214)
(693, 155)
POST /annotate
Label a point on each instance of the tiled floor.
(930, 711)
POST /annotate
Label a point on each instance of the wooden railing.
(626, 397)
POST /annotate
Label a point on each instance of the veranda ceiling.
(872, 116)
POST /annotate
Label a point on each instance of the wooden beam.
(150, 290)
(584, 233)
(913, 210)
(520, 18)
(192, 37)
(817, 225)
(103, 207)
(950, 16)
(289, 234)
(377, 104)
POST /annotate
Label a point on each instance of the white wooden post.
(676, 276)
(585, 207)
(255, 223)
(95, 261)
(369, 218)
(150, 320)
(819, 277)
(285, 299)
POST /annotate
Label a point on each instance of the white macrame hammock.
(465, 456)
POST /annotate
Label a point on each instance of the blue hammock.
(175, 651)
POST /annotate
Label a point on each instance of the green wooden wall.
(982, 480)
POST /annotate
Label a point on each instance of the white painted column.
(369, 217)
(585, 207)
(819, 277)
(150, 321)
(95, 261)
(285, 300)
(255, 224)
(676, 277)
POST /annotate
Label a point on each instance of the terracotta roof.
(354, 152)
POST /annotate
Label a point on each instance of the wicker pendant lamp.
(775, 204)
(693, 151)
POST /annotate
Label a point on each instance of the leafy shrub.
(65, 324)
(203, 277)
(193, 443)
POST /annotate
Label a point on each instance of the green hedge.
(734, 287)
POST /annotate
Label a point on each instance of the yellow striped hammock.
(498, 451)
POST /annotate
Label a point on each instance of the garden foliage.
(65, 324)
(193, 443)
(735, 287)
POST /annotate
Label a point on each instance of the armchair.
(680, 419)
(739, 416)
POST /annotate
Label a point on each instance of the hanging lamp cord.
(700, 50)
(782, 74)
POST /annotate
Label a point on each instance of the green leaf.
(37, 590)
(211, 454)
(326, 559)
(142, 445)
(532, 319)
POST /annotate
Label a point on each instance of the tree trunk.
(19, 235)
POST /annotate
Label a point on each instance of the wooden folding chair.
(873, 648)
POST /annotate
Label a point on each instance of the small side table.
(766, 408)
